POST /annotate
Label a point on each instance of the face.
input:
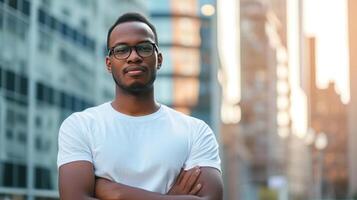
(135, 73)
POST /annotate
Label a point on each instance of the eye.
(144, 47)
(121, 49)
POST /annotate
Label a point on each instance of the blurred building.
(184, 81)
(51, 64)
(261, 42)
(331, 120)
(352, 108)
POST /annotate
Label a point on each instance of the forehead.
(131, 33)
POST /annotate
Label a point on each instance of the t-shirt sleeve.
(204, 149)
(73, 142)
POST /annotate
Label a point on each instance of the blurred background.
(273, 78)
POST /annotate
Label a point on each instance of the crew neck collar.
(123, 116)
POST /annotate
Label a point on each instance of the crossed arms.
(77, 181)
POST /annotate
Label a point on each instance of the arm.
(209, 179)
(76, 181)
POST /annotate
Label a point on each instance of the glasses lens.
(144, 49)
(121, 51)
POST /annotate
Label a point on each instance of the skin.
(136, 93)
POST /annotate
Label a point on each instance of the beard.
(136, 88)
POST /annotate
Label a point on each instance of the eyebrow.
(124, 43)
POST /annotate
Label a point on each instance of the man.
(133, 147)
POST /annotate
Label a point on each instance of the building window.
(0, 76)
(53, 23)
(23, 85)
(26, 7)
(38, 143)
(8, 175)
(45, 43)
(62, 99)
(21, 118)
(42, 16)
(11, 24)
(9, 134)
(1, 19)
(13, 175)
(40, 91)
(64, 29)
(22, 137)
(43, 178)
(10, 80)
(10, 117)
(49, 95)
(13, 4)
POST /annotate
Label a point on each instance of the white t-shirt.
(147, 152)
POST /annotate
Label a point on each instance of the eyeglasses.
(123, 51)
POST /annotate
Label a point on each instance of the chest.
(130, 150)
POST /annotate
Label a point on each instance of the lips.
(134, 70)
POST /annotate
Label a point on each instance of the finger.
(196, 189)
(185, 177)
(192, 180)
(180, 176)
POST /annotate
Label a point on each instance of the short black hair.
(132, 17)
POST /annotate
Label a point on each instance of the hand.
(186, 183)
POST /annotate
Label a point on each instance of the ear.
(159, 60)
(108, 64)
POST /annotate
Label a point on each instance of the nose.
(134, 56)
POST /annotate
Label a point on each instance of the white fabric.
(145, 152)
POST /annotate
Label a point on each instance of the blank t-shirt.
(147, 152)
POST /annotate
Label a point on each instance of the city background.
(273, 78)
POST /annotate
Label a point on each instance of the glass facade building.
(51, 65)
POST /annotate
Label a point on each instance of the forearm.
(119, 191)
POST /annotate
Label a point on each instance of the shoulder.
(85, 117)
(184, 118)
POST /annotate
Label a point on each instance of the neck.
(137, 104)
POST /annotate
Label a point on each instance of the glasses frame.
(110, 52)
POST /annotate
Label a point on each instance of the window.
(0, 76)
(10, 81)
(70, 33)
(21, 118)
(43, 178)
(73, 103)
(38, 143)
(11, 23)
(9, 134)
(75, 35)
(26, 8)
(23, 85)
(8, 174)
(64, 29)
(1, 18)
(62, 100)
(21, 176)
(38, 122)
(42, 16)
(13, 4)
(53, 22)
(46, 42)
(14, 175)
(10, 117)
(22, 137)
(40, 91)
(49, 95)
